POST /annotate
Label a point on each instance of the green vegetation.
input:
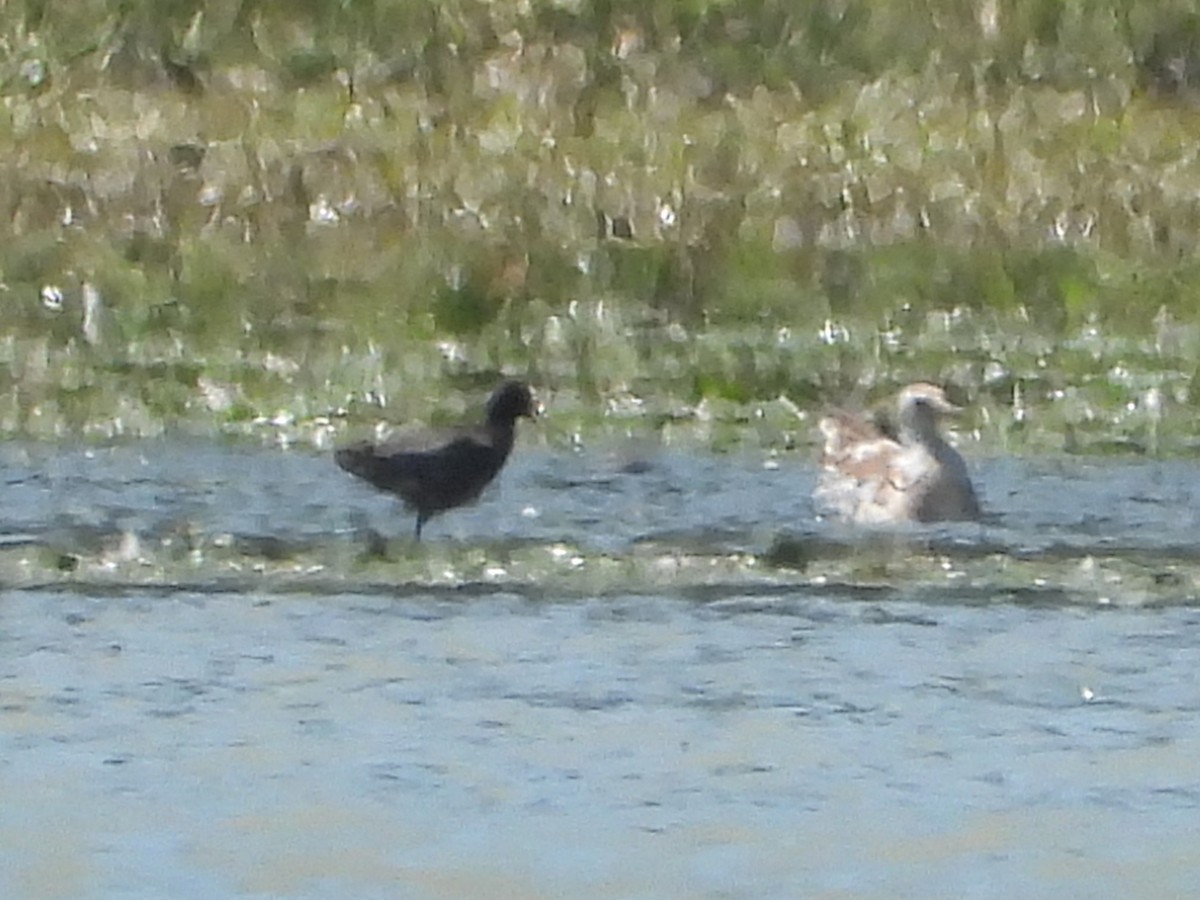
(260, 216)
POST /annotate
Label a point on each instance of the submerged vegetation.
(696, 218)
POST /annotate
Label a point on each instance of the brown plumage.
(433, 472)
(871, 477)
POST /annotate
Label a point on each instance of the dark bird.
(434, 472)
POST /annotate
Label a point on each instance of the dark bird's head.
(510, 401)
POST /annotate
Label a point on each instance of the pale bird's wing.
(844, 431)
(862, 479)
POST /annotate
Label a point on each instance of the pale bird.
(872, 478)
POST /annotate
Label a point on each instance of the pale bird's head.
(919, 407)
(929, 396)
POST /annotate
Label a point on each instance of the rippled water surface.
(226, 672)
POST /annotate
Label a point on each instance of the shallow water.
(663, 683)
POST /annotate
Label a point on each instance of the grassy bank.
(270, 217)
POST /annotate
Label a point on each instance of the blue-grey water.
(888, 727)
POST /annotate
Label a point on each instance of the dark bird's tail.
(359, 459)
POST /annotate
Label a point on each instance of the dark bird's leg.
(421, 517)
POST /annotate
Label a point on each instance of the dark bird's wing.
(429, 474)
